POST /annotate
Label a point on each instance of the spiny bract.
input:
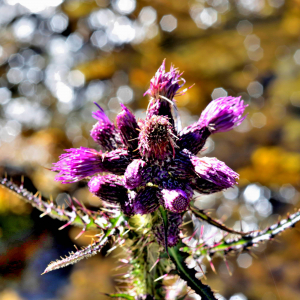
(151, 162)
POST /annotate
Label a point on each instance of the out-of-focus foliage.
(58, 57)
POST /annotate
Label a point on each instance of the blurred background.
(58, 57)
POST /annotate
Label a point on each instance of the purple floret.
(128, 127)
(223, 114)
(163, 88)
(133, 176)
(165, 83)
(104, 131)
(175, 200)
(212, 175)
(78, 164)
(146, 201)
(109, 188)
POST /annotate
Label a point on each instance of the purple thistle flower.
(104, 131)
(174, 221)
(164, 83)
(163, 88)
(212, 175)
(176, 201)
(146, 201)
(156, 139)
(223, 114)
(133, 176)
(78, 164)
(151, 164)
(109, 188)
(128, 127)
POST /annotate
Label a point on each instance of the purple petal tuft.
(78, 164)
(109, 188)
(104, 131)
(128, 127)
(223, 114)
(212, 175)
(133, 176)
(176, 200)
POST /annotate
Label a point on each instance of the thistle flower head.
(156, 140)
(212, 175)
(176, 201)
(128, 127)
(78, 164)
(223, 114)
(104, 131)
(164, 83)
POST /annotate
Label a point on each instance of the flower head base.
(223, 114)
(172, 231)
(109, 188)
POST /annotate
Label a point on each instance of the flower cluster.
(149, 163)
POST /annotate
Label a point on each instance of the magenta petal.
(128, 127)
(223, 114)
(109, 188)
(133, 176)
(212, 175)
(77, 164)
(104, 131)
(175, 200)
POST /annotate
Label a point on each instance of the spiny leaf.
(73, 258)
(204, 216)
(73, 215)
(253, 238)
(189, 275)
(88, 251)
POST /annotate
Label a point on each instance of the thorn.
(22, 181)
(201, 270)
(80, 233)
(64, 226)
(227, 266)
(44, 214)
(161, 277)
(211, 264)
(154, 265)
